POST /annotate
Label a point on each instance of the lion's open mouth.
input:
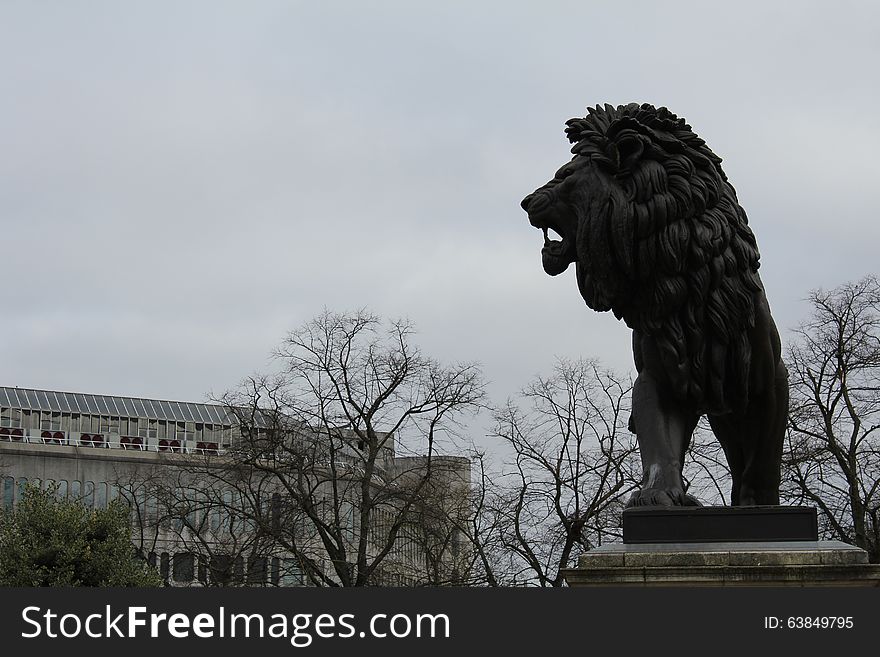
(557, 238)
(558, 251)
(556, 254)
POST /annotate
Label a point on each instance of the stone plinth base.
(777, 563)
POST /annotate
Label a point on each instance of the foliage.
(49, 542)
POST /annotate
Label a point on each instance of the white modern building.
(97, 447)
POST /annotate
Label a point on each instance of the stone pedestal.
(778, 563)
(703, 524)
(723, 546)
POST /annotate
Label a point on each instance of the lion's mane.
(669, 249)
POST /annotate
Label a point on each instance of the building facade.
(165, 459)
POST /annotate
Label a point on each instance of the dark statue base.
(699, 524)
(723, 546)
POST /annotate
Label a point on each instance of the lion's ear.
(627, 143)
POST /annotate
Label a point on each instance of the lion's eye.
(566, 171)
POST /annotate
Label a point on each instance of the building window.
(101, 495)
(275, 511)
(164, 565)
(184, 567)
(110, 425)
(75, 490)
(151, 512)
(221, 569)
(256, 573)
(22, 482)
(89, 494)
(179, 513)
(8, 493)
(147, 428)
(50, 421)
(10, 417)
(139, 500)
(291, 573)
(185, 431)
(30, 419)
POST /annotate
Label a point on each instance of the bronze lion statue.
(658, 237)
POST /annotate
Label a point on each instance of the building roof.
(112, 405)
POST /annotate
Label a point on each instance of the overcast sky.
(183, 182)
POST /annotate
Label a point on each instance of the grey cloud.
(183, 182)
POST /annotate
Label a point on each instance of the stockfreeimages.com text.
(301, 629)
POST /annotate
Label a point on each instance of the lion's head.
(658, 237)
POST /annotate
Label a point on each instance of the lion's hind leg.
(752, 442)
(729, 431)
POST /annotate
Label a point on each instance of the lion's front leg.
(663, 430)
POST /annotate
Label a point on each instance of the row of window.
(186, 568)
(145, 508)
(93, 495)
(220, 569)
(99, 440)
(16, 418)
(191, 509)
(196, 513)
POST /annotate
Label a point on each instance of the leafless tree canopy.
(706, 472)
(339, 467)
(572, 461)
(832, 459)
(339, 464)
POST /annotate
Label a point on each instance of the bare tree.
(573, 463)
(204, 528)
(339, 460)
(706, 472)
(490, 561)
(832, 456)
